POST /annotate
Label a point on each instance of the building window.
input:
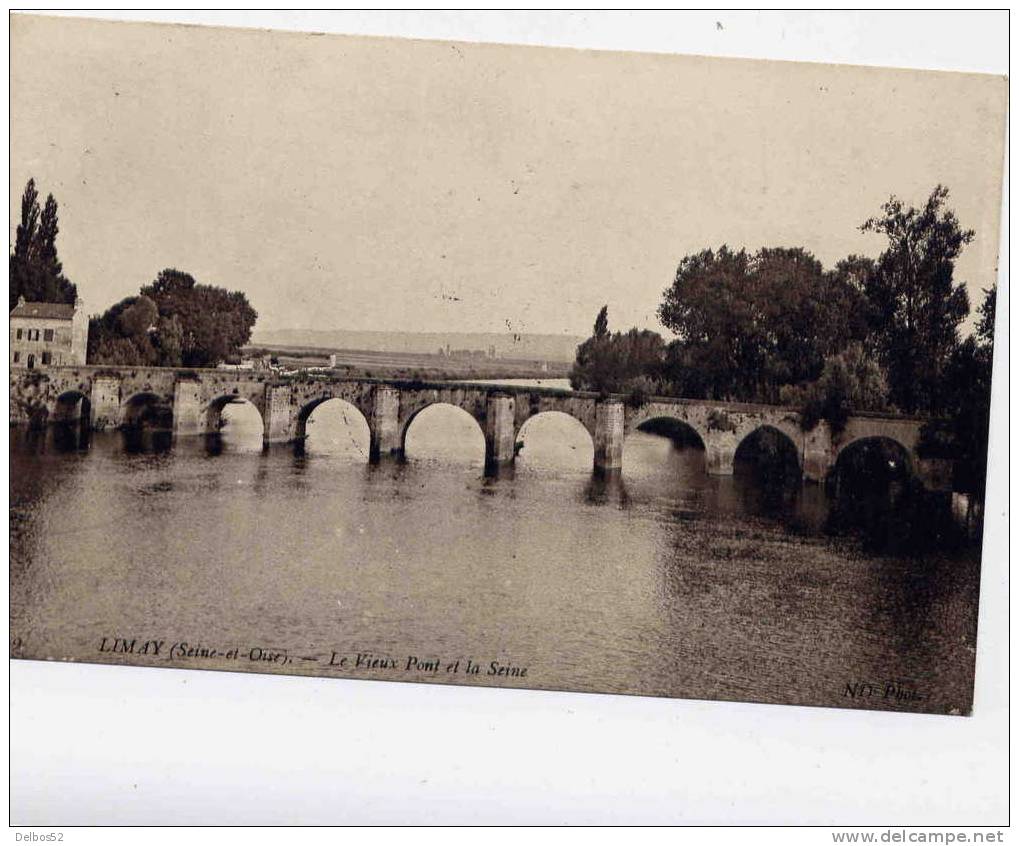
(33, 334)
(19, 334)
(31, 361)
(47, 335)
(46, 358)
(17, 355)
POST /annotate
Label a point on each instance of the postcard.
(475, 364)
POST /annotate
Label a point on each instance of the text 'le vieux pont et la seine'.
(348, 662)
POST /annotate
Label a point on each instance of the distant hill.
(527, 346)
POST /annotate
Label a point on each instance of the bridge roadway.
(105, 397)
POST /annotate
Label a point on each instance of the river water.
(664, 581)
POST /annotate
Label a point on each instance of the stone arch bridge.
(105, 397)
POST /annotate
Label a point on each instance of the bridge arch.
(668, 415)
(214, 410)
(307, 402)
(429, 410)
(874, 484)
(661, 448)
(895, 444)
(557, 438)
(72, 407)
(769, 450)
(681, 432)
(875, 454)
(358, 429)
(234, 422)
(146, 408)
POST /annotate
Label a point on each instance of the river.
(664, 581)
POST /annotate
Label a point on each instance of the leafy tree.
(618, 362)
(985, 326)
(110, 348)
(35, 270)
(122, 335)
(173, 322)
(749, 324)
(962, 433)
(169, 341)
(214, 323)
(710, 309)
(138, 318)
(916, 307)
(851, 380)
(848, 310)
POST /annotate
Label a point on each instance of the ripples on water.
(663, 581)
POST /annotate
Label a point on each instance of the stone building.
(48, 334)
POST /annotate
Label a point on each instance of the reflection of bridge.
(105, 397)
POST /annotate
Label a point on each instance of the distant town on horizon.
(523, 345)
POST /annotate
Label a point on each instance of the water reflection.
(607, 488)
(240, 428)
(875, 494)
(71, 437)
(147, 410)
(141, 440)
(336, 428)
(447, 434)
(553, 441)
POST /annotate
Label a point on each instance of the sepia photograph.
(499, 365)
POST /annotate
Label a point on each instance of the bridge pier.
(385, 424)
(500, 430)
(817, 453)
(105, 401)
(279, 418)
(719, 457)
(187, 408)
(609, 430)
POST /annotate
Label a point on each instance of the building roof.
(44, 311)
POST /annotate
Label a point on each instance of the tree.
(848, 311)
(851, 380)
(213, 323)
(618, 362)
(710, 309)
(169, 341)
(985, 326)
(138, 318)
(35, 270)
(591, 367)
(916, 307)
(962, 433)
(749, 324)
(25, 238)
(173, 322)
(122, 334)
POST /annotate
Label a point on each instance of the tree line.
(777, 327)
(174, 321)
(35, 272)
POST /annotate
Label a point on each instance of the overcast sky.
(398, 185)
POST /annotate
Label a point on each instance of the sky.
(399, 185)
